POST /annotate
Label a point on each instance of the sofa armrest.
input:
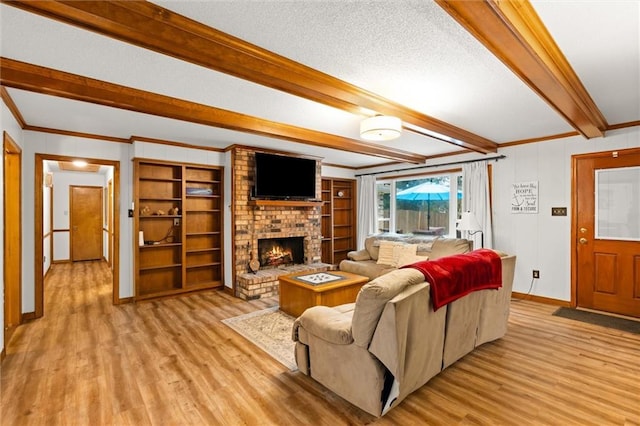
(329, 324)
(359, 255)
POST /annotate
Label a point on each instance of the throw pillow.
(403, 253)
(385, 255)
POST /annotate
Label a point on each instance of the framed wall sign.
(524, 197)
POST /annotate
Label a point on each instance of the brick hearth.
(253, 222)
(265, 282)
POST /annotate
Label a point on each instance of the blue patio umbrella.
(428, 192)
(424, 192)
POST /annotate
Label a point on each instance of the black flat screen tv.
(278, 177)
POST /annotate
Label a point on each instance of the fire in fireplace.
(280, 251)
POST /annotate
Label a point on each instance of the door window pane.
(618, 203)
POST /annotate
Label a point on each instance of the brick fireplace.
(256, 222)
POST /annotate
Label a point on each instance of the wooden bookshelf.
(338, 219)
(179, 211)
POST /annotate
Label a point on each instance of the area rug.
(270, 330)
(609, 321)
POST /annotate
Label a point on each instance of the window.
(428, 205)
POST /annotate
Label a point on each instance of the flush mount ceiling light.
(79, 163)
(380, 128)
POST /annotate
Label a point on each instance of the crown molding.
(135, 138)
(75, 134)
(624, 125)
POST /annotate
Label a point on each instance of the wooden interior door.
(12, 237)
(607, 231)
(86, 222)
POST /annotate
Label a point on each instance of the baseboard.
(3, 354)
(540, 299)
(125, 300)
(61, 261)
(28, 316)
(228, 290)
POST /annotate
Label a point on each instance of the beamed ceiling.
(464, 76)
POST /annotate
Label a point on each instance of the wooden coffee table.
(306, 289)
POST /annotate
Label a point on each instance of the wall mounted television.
(279, 177)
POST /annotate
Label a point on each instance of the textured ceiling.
(411, 52)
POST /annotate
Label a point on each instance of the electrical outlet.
(176, 221)
(536, 273)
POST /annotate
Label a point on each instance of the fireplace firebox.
(273, 252)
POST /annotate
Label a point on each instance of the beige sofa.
(390, 342)
(367, 261)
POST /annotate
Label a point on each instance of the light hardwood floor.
(172, 362)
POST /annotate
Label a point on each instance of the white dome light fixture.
(380, 128)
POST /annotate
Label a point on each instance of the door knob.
(582, 240)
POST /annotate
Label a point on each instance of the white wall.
(61, 183)
(177, 154)
(338, 172)
(542, 241)
(10, 125)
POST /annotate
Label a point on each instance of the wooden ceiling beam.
(8, 101)
(513, 32)
(21, 75)
(153, 27)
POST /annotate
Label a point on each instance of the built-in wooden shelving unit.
(338, 219)
(179, 212)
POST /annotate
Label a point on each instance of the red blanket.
(452, 277)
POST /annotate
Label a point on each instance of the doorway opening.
(59, 185)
